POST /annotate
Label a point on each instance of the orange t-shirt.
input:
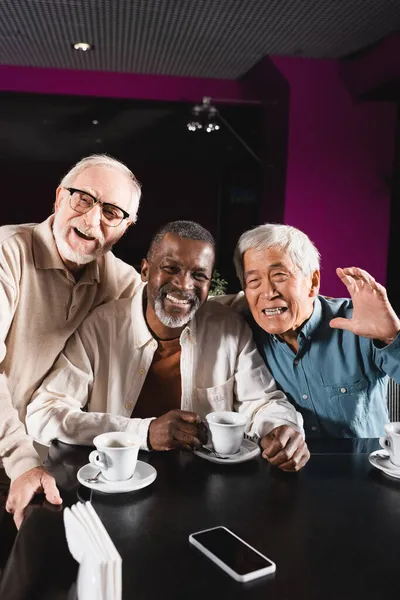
(162, 389)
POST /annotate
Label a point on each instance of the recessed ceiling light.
(83, 46)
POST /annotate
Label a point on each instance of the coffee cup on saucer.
(391, 442)
(226, 431)
(116, 454)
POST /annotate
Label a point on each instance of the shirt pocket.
(348, 402)
(219, 397)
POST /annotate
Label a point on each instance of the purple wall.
(120, 85)
(340, 159)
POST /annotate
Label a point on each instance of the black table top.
(333, 529)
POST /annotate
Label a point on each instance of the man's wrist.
(149, 446)
(386, 341)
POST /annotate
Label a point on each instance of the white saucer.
(247, 451)
(380, 459)
(143, 476)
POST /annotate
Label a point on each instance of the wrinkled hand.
(177, 429)
(373, 316)
(284, 447)
(23, 489)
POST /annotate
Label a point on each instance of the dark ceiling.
(198, 38)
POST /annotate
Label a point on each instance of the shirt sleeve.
(57, 407)
(16, 447)
(256, 394)
(387, 358)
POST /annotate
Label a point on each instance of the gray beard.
(68, 253)
(174, 322)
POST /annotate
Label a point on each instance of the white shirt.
(105, 363)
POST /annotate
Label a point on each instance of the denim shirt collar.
(314, 321)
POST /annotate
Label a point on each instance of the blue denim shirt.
(337, 380)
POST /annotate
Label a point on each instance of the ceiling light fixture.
(205, 117)
(82, 46)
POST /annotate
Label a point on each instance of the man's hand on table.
(23, 489)
(177, 429)
(284, 447)
(373, 316)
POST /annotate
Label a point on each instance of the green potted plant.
(218, 285)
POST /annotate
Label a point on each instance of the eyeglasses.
(82, 202)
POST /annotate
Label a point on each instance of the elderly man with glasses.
(51, 276)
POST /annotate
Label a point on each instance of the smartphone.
(232, 554)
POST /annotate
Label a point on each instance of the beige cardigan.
(41, 306)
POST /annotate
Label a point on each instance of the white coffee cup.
(226, 430)
(116, 454)
(391, 442)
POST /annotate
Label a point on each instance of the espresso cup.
(116, 454)
(391, 442)
(226, 431)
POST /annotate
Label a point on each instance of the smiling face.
(82, 238)
(178, 281)
(280, 296)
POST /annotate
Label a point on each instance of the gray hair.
(104, 160)
(188, 230)
(297, 244)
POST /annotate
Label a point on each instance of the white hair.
(104, 160)
(294, 242)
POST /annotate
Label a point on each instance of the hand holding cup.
(177, 429)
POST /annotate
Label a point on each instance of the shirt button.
(142, 371)
(128, 406)
(314, 428)
(305, 396)
(343, 390)
(296, 361)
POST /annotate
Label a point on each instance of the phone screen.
(233, 552)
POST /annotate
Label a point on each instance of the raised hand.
(177, 429)
(284, 447)
(373, 316)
